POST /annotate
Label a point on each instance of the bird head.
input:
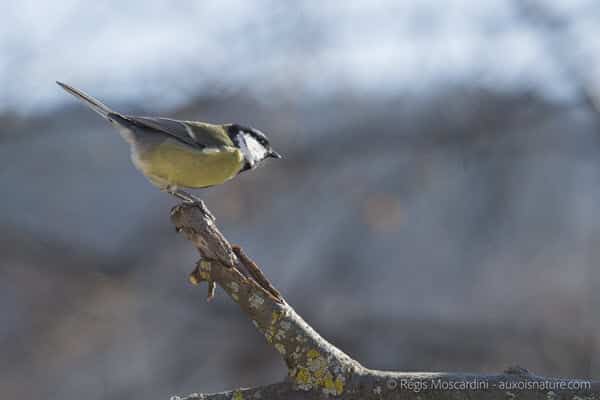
(253, 144)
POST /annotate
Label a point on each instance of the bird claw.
(191, 200)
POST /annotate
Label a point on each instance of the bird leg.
(190, 199)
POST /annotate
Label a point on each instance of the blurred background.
(438, 206)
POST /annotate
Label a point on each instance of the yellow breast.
(179, 165)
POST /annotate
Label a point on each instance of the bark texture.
(316, 368)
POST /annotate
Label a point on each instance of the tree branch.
(316, 368)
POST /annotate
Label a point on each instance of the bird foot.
(190, 199)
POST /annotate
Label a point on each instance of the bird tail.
(88, 100)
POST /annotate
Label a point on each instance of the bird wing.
(196, 134)
(193, 133)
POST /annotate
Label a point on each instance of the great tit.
(176, 154)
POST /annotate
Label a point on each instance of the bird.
(174, 154)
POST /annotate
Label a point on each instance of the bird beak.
(274, 154)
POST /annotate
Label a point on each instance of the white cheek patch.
(255, 150)
(244, 148)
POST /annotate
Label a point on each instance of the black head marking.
(247, 167)
(259, 136)
(234, 130)
(253, 144)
